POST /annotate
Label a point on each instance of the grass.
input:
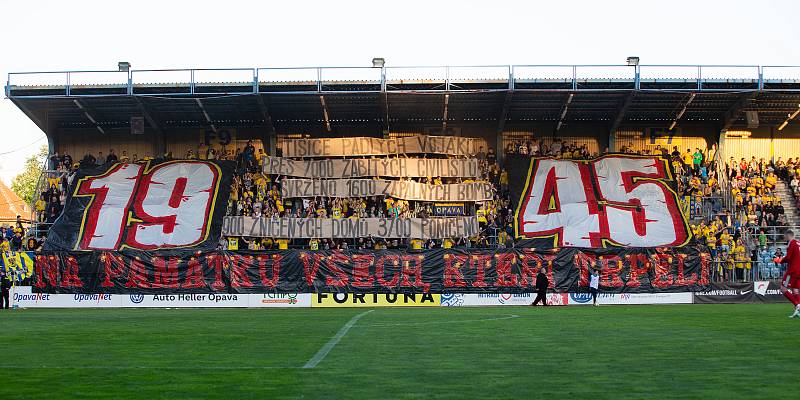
(692, 351)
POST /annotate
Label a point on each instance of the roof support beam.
(384, 100)
(564, 111)
(501, 125)
(444, 113)
(736, 110)
(270, 139)
(262, 106)
(682, 111)
(205, 114)
(789, 117)
(325, 113)
(160, 145)
(623, 109)
(87, 112)
(501, 120)
(148, 116)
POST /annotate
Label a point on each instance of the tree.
(24, 184)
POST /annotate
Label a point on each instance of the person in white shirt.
(594, 285)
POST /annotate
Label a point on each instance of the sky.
(76, 35)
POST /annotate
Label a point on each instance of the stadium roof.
(287, 99)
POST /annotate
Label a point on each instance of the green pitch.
(692, 351)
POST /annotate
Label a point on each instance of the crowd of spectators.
(12, 238)
(752, 185)
(756, 208)
(557, 148)
(256, 194)
(730, 255)
(744, 245)
(695, 170)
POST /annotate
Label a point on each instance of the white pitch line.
(509, 316)
(334, 341)
(134, 367)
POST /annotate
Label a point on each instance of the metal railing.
(39, 226)
(745, 271)
(433, 78)
(774, 234)
(723, 181)
(705, 207)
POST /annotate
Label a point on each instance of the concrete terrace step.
(784, 192)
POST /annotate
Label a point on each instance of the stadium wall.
(179, 142)
(644, 141)
(78, 142)
(767, 143)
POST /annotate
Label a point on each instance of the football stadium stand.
(308, 143)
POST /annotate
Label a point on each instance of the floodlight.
(378, 62)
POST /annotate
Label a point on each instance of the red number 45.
(633, 204)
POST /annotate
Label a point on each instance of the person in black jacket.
(541, 287)
(5, 286)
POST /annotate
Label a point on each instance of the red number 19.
(172, 206)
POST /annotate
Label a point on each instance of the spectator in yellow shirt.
(688, 158)
(40, 206)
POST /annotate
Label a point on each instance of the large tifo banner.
(344, 228)
(611, 201)
(369, 146)
(159, 205)
(332, 168)
(399, 189)
(383, 271)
